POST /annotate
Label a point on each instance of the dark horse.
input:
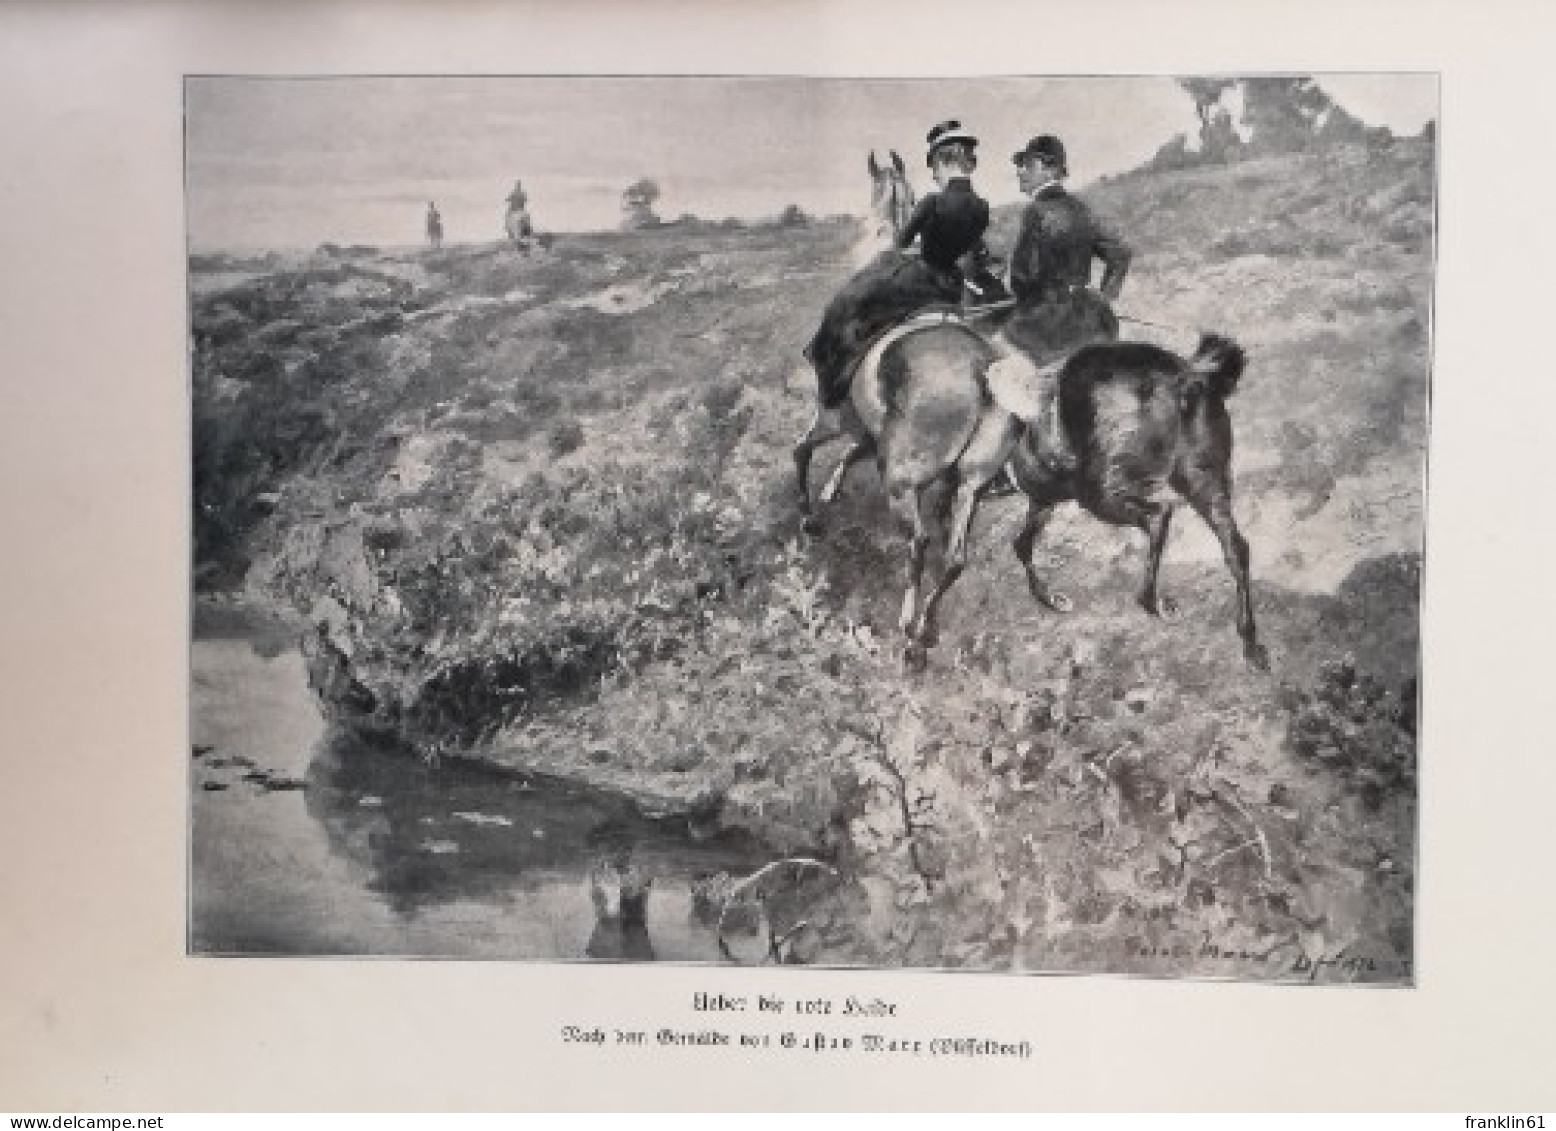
(1133, 431)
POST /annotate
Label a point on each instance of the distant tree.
(1280, 114)
(1206, 94)
(1218, 137)
(1286, 113)
(637, 204)
(793, 217)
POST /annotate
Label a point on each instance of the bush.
(1351, 723)
(565, 436)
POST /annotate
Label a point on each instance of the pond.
(304, 842)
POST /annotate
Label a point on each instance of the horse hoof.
(1258, 657)
(915, 657)
(1165, 608)
(812, 526)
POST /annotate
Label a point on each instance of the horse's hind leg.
(1039, 511)
(1215, 507)
(962, 510)
(1156, 525)
(986, 453)
(862, 449)
(825, 426)
(907, 503)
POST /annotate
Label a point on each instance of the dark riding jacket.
(1059, 238)
(1050, 272)
(949, 224)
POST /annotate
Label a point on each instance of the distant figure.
(947, 224)
(434, 226)
(516, 220)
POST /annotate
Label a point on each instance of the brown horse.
(1133, 431)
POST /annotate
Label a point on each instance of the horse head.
(891, 196)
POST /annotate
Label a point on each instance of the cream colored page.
(104, 1010)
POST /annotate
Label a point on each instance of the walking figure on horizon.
(516, 223)
(434, 226)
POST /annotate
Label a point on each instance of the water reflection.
(619, 890)
(305, 843)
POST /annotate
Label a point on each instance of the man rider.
(948, 225)
(1056, 310)
(1050, 270)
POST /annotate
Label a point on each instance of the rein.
(1006, 304)
(1153, 325)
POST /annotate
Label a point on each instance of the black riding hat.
(1046, 148)
(946, 133)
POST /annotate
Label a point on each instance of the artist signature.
(1341, 964)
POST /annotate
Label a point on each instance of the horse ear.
(897, 161)
(875, 170)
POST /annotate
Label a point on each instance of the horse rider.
(1056, 309)
(434, 226)
(948, 224)
(518, 203)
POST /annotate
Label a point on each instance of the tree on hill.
(637, 204)
(1273, 114)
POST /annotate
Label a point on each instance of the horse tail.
(1219, 363)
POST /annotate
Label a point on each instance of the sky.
(291, 163)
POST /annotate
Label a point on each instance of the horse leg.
(1156, 524)
(1215, 507)
(862, 449)
(1039, 511)
(826, 425)
(962, 511)
(986, 453)
(907, 503)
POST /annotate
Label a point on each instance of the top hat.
(946, 133)
(1045, 148)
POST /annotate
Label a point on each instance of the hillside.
(538, 511)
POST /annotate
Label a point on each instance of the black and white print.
(538, 616)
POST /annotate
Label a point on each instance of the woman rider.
(948, 224)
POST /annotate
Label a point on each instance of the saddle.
(870, 352)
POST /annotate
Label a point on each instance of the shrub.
(565, 436)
